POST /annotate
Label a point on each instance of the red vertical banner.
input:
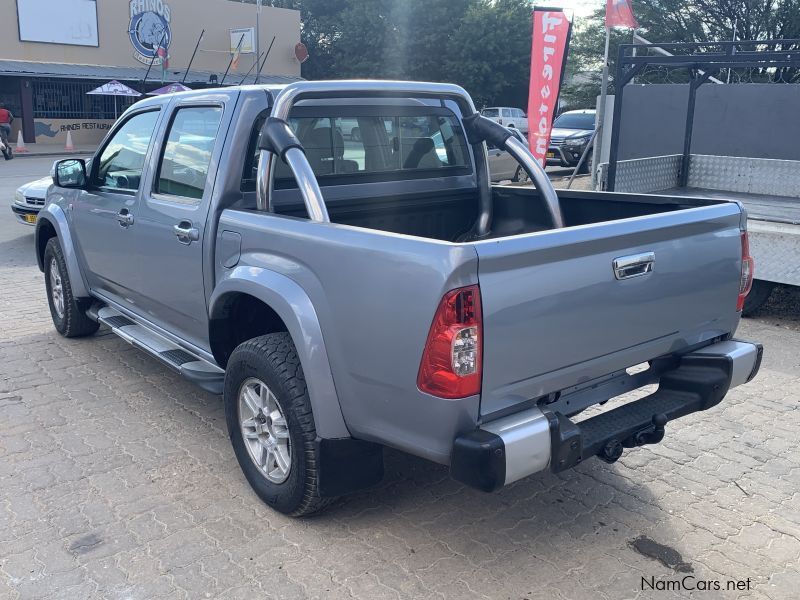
(551, 30)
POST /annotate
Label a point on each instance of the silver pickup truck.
(345, 295)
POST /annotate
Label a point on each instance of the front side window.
(183, 169)
(122, 160)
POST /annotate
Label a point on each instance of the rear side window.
(490, 112)
(183, 169)
(420, 144)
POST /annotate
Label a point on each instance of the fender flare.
(54, 215)
(294, 307)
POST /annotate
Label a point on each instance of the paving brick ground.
(117, 481)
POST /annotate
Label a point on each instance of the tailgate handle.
(635, 265)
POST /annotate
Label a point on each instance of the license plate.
(29, 219)
(551, 155)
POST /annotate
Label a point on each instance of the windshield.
(575, 121)
(491, 112)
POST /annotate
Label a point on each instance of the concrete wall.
(754, 120)
(186, 19)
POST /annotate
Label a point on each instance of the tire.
(271, 362)
(520, 176)
(69, 317)
(758, 296)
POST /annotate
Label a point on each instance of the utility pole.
(258, 36)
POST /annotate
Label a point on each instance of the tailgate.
(555, 315)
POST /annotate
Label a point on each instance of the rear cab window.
(351, 144)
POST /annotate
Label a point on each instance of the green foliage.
(483, 45)
(676, 21)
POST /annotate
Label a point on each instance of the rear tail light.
(748, 266)
(451, 361)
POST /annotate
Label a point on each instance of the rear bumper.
(510, 448)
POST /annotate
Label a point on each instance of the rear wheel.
(271, 425)
(69, 317)
(758, 296)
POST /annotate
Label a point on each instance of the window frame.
(177, 198)
(94, 172)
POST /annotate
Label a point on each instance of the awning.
(22, 68)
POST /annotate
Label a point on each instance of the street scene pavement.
(117, 480)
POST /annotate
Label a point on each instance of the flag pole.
(266, 54)
(601, 112)
(191, 60)
(155, 53)
(238, 46)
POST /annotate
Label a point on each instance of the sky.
(581, 8)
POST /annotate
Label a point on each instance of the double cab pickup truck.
(349, 294)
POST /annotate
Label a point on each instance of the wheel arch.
(52, 222)
(288, 308)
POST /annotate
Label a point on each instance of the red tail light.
(748, 266)
(451, 362)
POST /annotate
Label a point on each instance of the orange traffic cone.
(20, 149)
(70, 147)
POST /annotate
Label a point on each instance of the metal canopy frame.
(703, 60)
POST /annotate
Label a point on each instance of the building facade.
(52, 53)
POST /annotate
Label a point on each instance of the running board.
(208, 376)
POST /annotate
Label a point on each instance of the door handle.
(185, 233)
(125, 218)
(635, 265)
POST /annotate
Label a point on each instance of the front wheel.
(69, 317)
(271, 425)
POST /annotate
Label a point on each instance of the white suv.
(507, 116)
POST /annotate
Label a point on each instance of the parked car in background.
(571, 132)
(29, 200)
(503, 166)
(514, 118)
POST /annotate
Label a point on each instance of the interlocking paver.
(117, 481)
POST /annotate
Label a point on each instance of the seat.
(422, 154)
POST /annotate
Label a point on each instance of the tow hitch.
(649, 435)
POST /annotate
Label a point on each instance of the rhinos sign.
(148, 28)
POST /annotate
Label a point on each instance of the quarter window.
(183, 170)
(122, 160)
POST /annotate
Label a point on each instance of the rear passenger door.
(172, 219)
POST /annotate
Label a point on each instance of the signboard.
(149, 29)
(69, 22)
(248, 41)
(551, 30)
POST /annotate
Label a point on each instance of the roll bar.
(275, 141)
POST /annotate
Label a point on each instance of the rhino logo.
(149, 28)
(45, 129)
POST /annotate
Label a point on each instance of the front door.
(172, 222)
(105, 215)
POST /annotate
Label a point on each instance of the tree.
(483, 45)
(679, 21)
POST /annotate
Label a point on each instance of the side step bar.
(207, 375)
(517, 445)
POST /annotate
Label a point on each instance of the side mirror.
(70, 173)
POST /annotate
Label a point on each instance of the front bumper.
(563, 156)
(25, 214)
(515, 446)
